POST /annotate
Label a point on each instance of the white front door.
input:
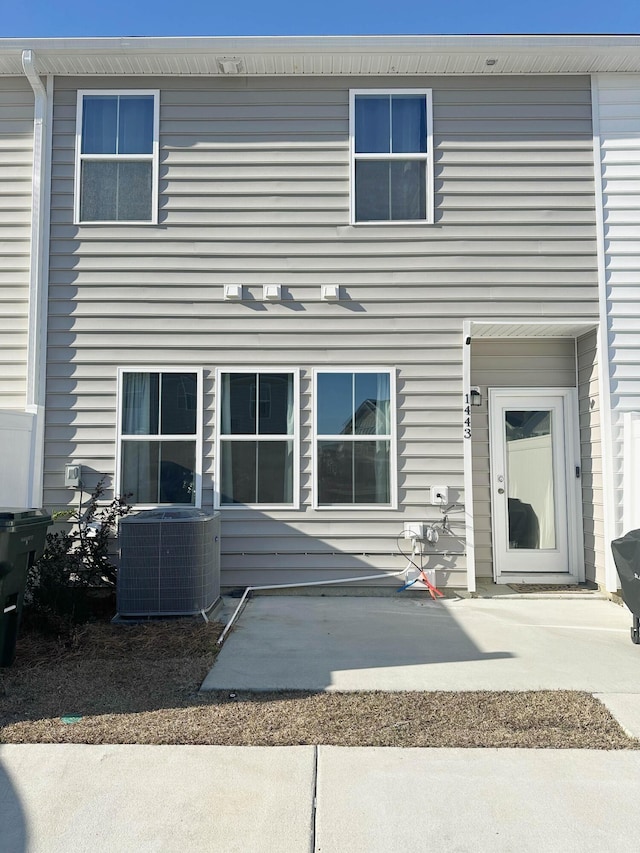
(535, 485)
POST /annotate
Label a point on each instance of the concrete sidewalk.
(69, 799)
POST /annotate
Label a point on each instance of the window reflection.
(389, 187)
(530, 479)
(351, 469)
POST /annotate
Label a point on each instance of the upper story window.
(391, 156)
(117, 156)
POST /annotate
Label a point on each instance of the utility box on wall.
(169, 563)
(16, 437)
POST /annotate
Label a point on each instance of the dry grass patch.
(139, 684)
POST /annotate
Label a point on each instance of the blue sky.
(48, 18)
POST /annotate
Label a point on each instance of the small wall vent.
(272, 292)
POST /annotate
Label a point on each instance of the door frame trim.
(576, 573)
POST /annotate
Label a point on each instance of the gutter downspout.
(38, 272)
(610, 524)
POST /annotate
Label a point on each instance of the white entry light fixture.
(233, 292)
(272, 292)
(330, 292)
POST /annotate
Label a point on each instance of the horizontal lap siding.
(619, 125)
(254, 181)
(16, 163)
(497, 363)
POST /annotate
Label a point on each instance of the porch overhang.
(503, 328)
(531, 329)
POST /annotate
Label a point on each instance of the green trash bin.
(22, 538)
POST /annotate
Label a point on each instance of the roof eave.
(329, 55)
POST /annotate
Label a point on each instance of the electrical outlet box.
(414, 530)
(431, 577)
(411, 575)
(72, 474)
(439, 495)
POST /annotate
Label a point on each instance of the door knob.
(501, 491)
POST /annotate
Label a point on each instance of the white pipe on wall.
(250, 589)
(38, 271)
(611, 526)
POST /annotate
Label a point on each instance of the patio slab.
(406, 644)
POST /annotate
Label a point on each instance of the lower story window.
(159, 437)
(257, 438)
(354, 437)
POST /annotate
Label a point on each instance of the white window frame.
(198, 436)
(154, 157)
(392, 437)
(426, 157)
(295, 504)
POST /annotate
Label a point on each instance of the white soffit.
(530, 330)
(328, 55)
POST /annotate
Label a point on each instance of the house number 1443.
(467, 417)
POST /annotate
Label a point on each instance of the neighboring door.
(535, 485)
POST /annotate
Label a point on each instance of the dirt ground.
(139, 684)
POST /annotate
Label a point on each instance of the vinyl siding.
(619, 171)
(591, 457)
(16, 162)
(254, 183)
(495, 363)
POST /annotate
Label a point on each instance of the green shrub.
(75, 564)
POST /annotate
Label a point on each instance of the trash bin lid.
(14, 513)
(11, 517)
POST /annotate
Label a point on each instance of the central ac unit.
(169, 563)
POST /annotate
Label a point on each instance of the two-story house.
(330, 286)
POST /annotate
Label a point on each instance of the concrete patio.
(376, 643)
(371, 643)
